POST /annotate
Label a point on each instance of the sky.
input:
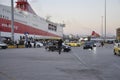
(80, 16)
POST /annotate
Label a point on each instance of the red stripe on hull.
(5, 26)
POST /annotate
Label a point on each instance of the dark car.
(89, 45)
(49, 46)
(54, 47)
(66, 48)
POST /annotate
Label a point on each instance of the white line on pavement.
(80, 60)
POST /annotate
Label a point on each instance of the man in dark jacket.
(60, 45)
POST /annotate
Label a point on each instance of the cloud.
(2, 0)
(33, 1)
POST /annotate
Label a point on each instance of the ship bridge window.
(52, 27)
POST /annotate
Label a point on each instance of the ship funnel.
(25, 6)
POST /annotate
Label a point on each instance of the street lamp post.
(105, 20)
(12, 20)
(101, 26)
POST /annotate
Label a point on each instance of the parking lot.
(78, 64)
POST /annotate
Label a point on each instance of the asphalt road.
(39, 64)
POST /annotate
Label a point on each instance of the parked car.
(3, 45)
(116, 49)
(73, 44)
(38, 44)
(98, 44)
(49, 46)
(66, 48)
(89, 45)
(54, 47)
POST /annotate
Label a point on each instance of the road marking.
(94, 51)
(80, 60)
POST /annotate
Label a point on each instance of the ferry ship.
(27, 21)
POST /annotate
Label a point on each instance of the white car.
(38, 44)
(3, 45)
(98, 44)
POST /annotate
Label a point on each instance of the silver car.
(3, 45)
(38, 44)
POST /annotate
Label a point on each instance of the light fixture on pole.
(101, 26)
(105, 20)
(12, 20)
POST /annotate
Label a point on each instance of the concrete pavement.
(39, 64)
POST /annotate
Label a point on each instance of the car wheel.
(52, 49)
(38, 46)
(114, 52)
(67, 50)
(91, 48)
(4, 47)
(64, 50)
(83, 47)
(78, 45)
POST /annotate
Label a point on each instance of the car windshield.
(50, 43)
(88, 43)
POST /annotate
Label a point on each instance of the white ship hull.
(24, 21)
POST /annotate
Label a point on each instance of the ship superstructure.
(27, 21)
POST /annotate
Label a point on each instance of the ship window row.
(21, 21)
(7, 11)
(4, 17)
(52, 27)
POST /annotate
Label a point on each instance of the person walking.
(60, 46)
(34, 44)
(17, 43)
(102, 43)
